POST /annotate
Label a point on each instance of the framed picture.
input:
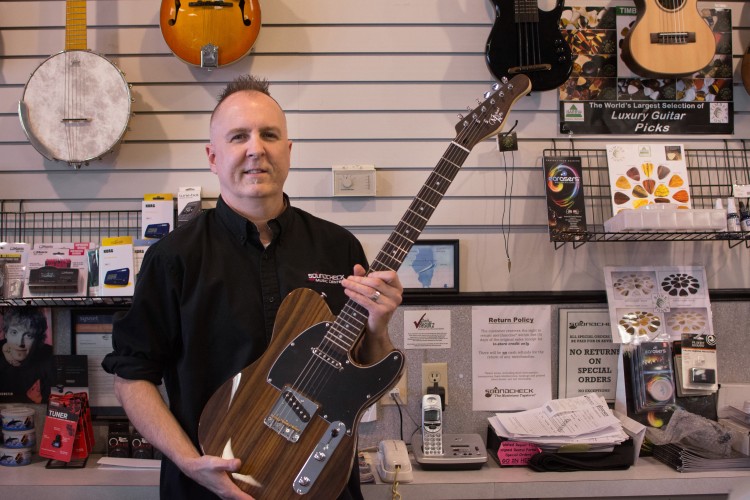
(431, 266)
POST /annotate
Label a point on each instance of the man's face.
(250, 149)
(20, 341)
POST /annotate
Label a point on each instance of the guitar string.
(317, 372)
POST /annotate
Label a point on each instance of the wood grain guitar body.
(210, 33)
(669, 38)
(292, 416)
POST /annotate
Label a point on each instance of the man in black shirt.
(207, 294)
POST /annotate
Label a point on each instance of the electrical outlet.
(435, 372)
(400, 387)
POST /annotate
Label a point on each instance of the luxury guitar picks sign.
(617, 88)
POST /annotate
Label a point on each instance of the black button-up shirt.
(205, 302)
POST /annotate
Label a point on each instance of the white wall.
(363, 82)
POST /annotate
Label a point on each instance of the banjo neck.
(75, 25)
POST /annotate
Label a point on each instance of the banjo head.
(75, 107)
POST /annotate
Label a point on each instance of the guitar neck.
(526, 11)
(485, 120)
(349, 325)
(75, 25)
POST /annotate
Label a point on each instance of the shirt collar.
(245, 230)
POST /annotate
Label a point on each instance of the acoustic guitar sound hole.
(671, 5)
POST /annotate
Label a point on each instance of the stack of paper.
(584, 422)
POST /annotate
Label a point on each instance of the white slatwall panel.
(363, 82)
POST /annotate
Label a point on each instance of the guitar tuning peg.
(495, 87)
(460, 117)
(487, 94)
(504, 79)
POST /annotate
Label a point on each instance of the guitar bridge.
(290, 415)
(531, 68)
(673, 38)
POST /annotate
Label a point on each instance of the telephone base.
(460, 452)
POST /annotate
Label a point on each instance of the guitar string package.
(653, 376)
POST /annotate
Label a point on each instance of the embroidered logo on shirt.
(325, 278)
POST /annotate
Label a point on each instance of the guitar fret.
(460, 146)
(344, 346)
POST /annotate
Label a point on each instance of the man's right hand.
(211, 472)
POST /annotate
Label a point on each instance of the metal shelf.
(55, 227)
(712, 173)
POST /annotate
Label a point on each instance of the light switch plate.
(354, 180)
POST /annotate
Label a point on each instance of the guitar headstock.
(488, 118)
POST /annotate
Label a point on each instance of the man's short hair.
(243, 83)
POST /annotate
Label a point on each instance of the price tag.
(741, 190)
(514, 453)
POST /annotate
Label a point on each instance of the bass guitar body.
(209, 33)
(669, 38)
(527, 40)
(292, 416)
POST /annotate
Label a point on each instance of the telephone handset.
(393, 461)
(432, 425)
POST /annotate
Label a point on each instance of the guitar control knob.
(320, 456)
(304, 481)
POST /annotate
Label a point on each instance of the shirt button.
(271, 299)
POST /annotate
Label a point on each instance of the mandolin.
(669, 38)
(292, 415)
(527, 40)
(745, 70)
(76, 105)
(210, 33)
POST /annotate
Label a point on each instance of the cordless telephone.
(432, 425)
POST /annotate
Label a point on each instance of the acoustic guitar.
(669, 38)
(527, 40)
(292, 415)
(76, 105)
(210, 33)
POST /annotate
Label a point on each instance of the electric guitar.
(669, 38)
(210, 33)
(76, 105)
(527, 40)
(292, 415)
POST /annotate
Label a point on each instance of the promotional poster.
(610, 92)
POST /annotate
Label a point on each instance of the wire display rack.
(59, 227)
(712, 174)
(54, 227)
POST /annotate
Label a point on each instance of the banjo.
(76, 105)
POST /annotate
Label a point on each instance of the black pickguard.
(340, 394)
(535, 47)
